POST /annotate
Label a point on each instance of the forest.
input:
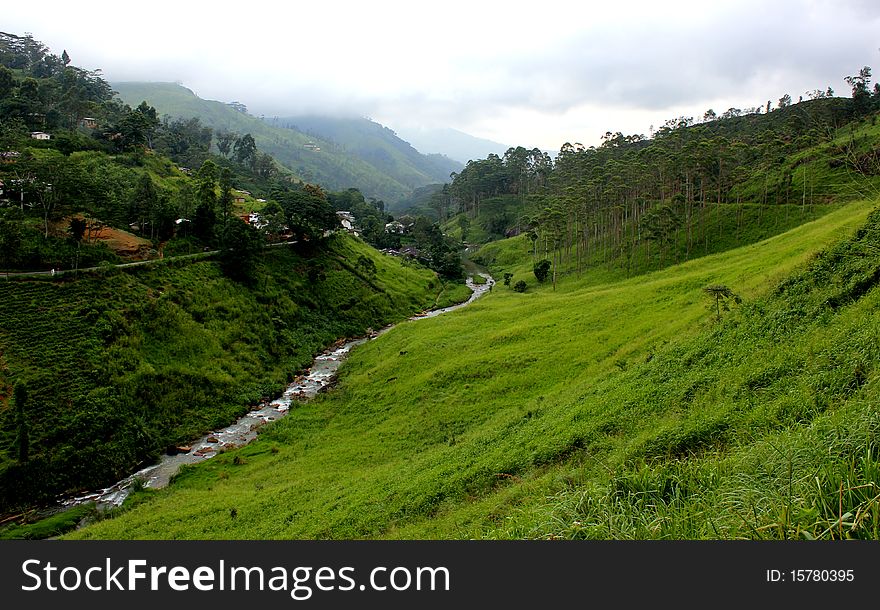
(693, 185)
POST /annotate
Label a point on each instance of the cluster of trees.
(421, 237)
(243, 150)
(109, 164)
(634, 196)
(518, 172)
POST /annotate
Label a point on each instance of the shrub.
(520, 286)
(542, 268)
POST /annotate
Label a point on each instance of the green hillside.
(377, 145)
(622, 409)
(377, 164)
(120, 365)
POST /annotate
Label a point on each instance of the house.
(238, 196)
(9, 156)
(255, 220)
(346, 219)
(40, 135)
(312, 146)
(88, 122)
(395, 227)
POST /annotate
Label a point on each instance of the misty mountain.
(359, 153)
(453, 143)
(374, 143)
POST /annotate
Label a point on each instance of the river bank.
(244, 430)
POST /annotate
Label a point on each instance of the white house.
(395, 227)
(346, 219)
(40, 135)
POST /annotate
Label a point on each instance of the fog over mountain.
(500, 71)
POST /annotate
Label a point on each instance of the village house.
(88, 122)
(346, 219)
(40, 135)
(395, 227)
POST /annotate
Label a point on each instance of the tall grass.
(621, 409)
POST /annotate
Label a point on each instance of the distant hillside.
(453, 143)
(376, 144)
(377, 168)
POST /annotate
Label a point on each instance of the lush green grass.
(725, 227)
(619, 409)
(55, 525)
(453, 293)
(121, 365)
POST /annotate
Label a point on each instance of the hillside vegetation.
(623, 409)
(120, 365)
(356, 153)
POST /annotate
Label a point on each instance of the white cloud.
(539, 74)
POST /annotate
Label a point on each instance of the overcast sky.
(531, 73)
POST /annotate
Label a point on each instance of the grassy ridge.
(121, 365)
(464, 425)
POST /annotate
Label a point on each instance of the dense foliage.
(417, 237)
(633, 199)
(119, 366)
(104, 164)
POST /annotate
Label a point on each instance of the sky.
(536, 74)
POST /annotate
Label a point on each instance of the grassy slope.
(118, 367)
(463, 425)
(332, 167)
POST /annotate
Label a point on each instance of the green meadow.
(612, 407)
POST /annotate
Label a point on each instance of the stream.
(244, 430)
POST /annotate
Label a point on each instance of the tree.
(784, 101)
(138, 127)
(51, 179)
(226, 200)
(245, 150)
(7, 82)
(307, 212)
(861, 93)
(225, 140)
(22, 440)
(10, 241)
(520, 286)
(722, 295)
(143, 202)
(507, 277)
(241, 246)
(264, 166)
(542, 269)
(274, 218)
(464, 224)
